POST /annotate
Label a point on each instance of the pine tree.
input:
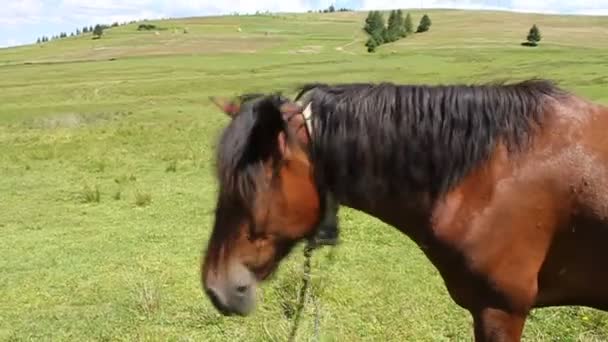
(393, 30)
(97, 32)
(38, 41)
(425, 24)
(379, 26)
(408, 24)
(400, 24)
(371, 44)
(534, 36)
(78, 32)
(374, 26)
(369, 23)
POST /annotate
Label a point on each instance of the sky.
(23, 21)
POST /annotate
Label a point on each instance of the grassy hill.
(106, 152)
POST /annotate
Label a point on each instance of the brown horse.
(503, 186)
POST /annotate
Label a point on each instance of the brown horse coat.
(504, 188)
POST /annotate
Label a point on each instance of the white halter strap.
(308, 117)
(331, 205)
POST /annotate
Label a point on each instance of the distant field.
(107, 187)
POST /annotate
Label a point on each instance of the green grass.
(107, 187)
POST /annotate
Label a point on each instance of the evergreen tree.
(371, 44)
(369, 23)
(425, 24)
(38, 41)
(378, 27)
(393, 31)
(85, 30)
(408, 24)
(97, 32)
(400, 24)
(78, 32)
(534, 36)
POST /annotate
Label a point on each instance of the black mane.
(386, 139)
(245, 144)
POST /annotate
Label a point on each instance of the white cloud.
(9, 42)
(559, 6)
(461, 4)
(21, 12)
(596, 7)
(108, 11)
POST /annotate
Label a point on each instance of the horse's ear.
(229, 106)
(268, 136)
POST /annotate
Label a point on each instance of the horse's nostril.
(242, 289)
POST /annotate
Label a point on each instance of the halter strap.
(331, 205)
(307, 113)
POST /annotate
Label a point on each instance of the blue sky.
(22, 21)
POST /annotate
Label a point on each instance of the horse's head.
(267, 201)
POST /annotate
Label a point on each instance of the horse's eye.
(252, 233)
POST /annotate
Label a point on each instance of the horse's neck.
(410, 215)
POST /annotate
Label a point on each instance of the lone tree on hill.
(534, 36)
(408, 24)
(425, 24)
(97, 31)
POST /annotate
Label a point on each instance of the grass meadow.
(107, 188)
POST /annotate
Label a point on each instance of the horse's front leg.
(495, 325)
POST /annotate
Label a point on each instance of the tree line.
(398, 27)
(96, 32)
(332, 9)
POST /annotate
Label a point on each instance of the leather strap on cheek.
(291, 111)
(307, 113)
